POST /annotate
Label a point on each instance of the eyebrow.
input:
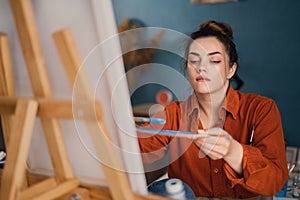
(213, 53)
(194, 53)
(209, 54)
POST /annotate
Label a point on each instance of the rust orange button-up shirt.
(264, 162)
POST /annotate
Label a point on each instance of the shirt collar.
(193, 104)
(231, 103)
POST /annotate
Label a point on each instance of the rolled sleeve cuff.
(253, 162)
(232, 176)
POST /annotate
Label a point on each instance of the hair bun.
(221, 27)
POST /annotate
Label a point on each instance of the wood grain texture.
(17, 152)
(7, 86)
(36, 67)
(89, 191)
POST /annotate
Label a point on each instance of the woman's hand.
(218, 144)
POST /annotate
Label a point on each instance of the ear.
(231, 71)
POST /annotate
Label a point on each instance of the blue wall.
(267, 34)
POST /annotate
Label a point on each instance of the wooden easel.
(25, 110)
(64, 180)
(7, 87)
(71, 59)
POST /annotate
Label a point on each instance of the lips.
(202, 78)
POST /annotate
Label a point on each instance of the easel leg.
(117, 180)
(7, 87)
(17, 152)
(37, 70)
(6, 83)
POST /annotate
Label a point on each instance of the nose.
(202, 68)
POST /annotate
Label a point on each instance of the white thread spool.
(175, 189)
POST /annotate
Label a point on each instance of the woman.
(238, 150)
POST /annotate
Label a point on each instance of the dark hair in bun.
(217, 27)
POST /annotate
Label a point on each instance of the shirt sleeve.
(264, 162)
(154, 147)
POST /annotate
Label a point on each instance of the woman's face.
(208, 66)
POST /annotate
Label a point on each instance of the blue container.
(159, 187)
(282, 192)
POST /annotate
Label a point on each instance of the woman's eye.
(194, 61)
(215, 61)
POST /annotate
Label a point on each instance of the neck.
(211, 101)
(210, 104)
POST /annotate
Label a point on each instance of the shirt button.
(216, 170)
